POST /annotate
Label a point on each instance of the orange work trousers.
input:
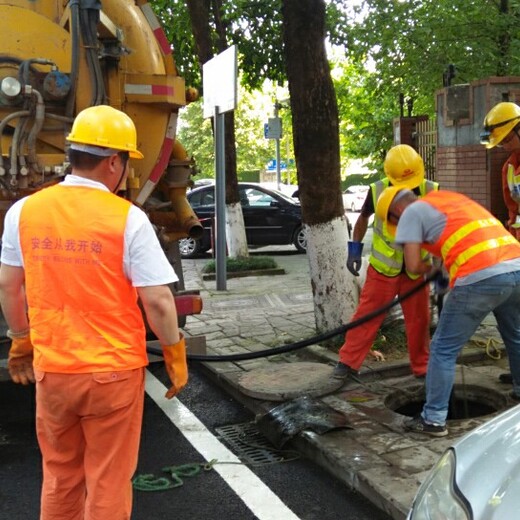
(88, 428)
(378, 291)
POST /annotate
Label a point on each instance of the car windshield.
(286, 197)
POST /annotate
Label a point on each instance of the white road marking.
(264, 504)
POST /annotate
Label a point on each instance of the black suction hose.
(309, 341)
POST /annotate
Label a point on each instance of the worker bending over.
(483, 262)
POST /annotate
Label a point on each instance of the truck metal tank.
(59, 57)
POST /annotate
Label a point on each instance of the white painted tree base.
(235, 231)
(335, 290)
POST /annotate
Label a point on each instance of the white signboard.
(273, 128)
(219, 82)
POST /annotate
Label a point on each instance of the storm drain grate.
(248, 444)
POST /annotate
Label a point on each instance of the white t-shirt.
(144, 261)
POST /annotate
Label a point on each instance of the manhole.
(466, 401)
(248, 444)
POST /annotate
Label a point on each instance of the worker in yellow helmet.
(78, 257)
(387, 275)
(483, 263)
(501, 128)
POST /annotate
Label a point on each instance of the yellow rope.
(491, 345)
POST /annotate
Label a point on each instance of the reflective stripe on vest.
(473, 239)
(386, 256)
(83, 310)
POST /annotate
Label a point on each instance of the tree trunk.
(316, 146)
(200, 11)
(235, 229)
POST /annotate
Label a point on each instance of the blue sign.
(271, 165)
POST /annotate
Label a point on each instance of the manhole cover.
(466, 401)
(248, 444)
(285, 381)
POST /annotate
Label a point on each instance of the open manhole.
(466, 401)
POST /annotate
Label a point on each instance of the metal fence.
(425, 137)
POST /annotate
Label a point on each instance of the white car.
(354, 197)
(478, 477)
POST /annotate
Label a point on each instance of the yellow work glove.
(20, 360)
(176, 366)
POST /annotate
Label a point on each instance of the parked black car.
(270, 218)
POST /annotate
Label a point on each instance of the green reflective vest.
(387, 257)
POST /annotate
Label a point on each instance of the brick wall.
(474, 171)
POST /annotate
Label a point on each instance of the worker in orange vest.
(501, 128)
(483, 263)
(75, 259)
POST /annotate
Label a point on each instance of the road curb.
(243, 274)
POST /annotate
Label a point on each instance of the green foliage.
(250, 263)
(366, 114)
(253, 150)
(358, 179)
(388, 48)
(175, 21)
(196, 135)
(410, 44)
(249, 176)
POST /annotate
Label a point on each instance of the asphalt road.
(293, 489)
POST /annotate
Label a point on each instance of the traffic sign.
(273, 128)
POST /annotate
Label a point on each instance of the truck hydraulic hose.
(309, 341)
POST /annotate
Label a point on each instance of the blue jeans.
(465, 308)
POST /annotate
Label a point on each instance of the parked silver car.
(478, 477)
(354, 197)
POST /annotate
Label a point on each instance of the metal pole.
(220, 203)
(277, 142)
(288, 175)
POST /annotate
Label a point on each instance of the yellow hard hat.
(500, 120)
(383, 204)
(107, 129)
(404, 166)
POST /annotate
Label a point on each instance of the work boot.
(419, 425)
(506, 378)
(342, 371)
(513, 396)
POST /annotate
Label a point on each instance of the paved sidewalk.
(374, 455)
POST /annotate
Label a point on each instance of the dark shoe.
(342, 371)
(506, 378)
(513, 396)
(419, 425)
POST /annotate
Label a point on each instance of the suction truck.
(58, 57)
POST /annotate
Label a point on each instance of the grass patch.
(243, 263)
(391, 340)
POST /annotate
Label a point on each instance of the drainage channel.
(249, 445)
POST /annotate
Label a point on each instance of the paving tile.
(377, 457)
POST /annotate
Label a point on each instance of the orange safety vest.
(473, 239)
(83, 311)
